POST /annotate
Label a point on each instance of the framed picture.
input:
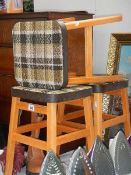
(119, 61)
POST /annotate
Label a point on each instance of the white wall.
(102, 32)
(41, 5)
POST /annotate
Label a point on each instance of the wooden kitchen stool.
(103, 118)
(106, 120)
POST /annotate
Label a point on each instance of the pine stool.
(105, 120)
(20, 98)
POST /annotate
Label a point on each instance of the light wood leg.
(11, 139)
(126, 113)
(60, 118)
(97, 106)
(51, 126)
(88, 121)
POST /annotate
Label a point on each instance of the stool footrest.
(114, 121)
(73, 115)
(72, 136)
(30, 141)
(31, 127)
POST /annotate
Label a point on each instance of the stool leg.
(125, 105)
(97, 105)
(88, 121)
(52, 126)
(11, 137)
(60, 119)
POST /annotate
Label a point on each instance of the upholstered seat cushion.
(44, 95)
(105, 87)
(40, 54)
(101, 159)
(80, 164)
(52, 165)
(121, 154)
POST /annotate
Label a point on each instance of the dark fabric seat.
(45, 95)
(109, 86)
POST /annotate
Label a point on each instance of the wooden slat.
(30, 141)
(88, 52)
(72, 136)
(125, 106)
(73, 115)
(11, 143)
(89, 123)
(78, 102)
(113, 122)
(74, 124)
(117, 92)
(98, 114)
(52, 126)
(94, 79)
(37, 108)
(108, 116)
(31, 127)
(92, 22)
(66, 129)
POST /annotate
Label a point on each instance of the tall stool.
(40, 64)
(101, 119)
(20, 97)
(105, 120)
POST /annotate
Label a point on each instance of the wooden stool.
(102, 120)
(75, 131)
(89, 76)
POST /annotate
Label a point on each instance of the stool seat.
(109, 86)
(45, 95)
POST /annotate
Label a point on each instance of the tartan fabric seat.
(40, 64)
(40, 54)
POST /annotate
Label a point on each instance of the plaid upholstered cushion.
(40, 54)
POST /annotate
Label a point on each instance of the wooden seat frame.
(87, 25)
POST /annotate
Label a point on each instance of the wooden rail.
(92, 22)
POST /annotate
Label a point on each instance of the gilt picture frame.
(119, 61)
